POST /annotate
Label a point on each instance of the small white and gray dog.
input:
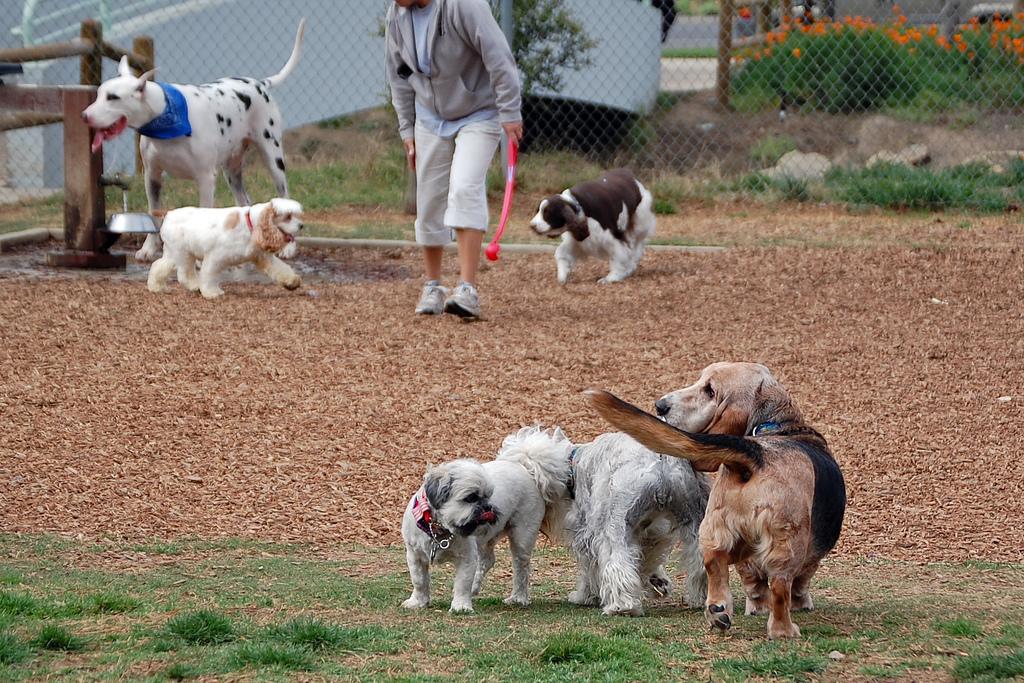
(465, 507)
(632, 507)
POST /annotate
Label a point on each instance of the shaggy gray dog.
(632, 507)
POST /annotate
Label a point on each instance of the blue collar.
(173, 123)
(766, 429)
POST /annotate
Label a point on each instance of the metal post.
(508, 27)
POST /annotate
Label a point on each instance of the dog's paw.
(582, 599)
(661, 586)
(778, 630)
(718, 617)
(211, 294)
(624, 610)
(802, 603)
(757, 606)
(415, 603)
(517, 600)
(146, 255)
(461, 607)
(293, 282)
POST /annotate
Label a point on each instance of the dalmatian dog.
(193, 131)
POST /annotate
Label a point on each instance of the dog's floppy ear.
(772, 404)
(267, 236)
(438, 486)
(574, 223)
(736, 407)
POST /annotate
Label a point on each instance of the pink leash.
(506, 206)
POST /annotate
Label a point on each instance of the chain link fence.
(755, 96)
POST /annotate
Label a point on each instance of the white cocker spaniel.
(221, 238)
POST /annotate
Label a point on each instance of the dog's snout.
(85, 117)
(662, 407)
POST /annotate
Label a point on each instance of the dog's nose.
(85, 117)
(301, 226)
(662, 407)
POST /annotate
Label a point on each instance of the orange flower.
(797, 52)
(744, 12)
(932, 31)
(970, 56)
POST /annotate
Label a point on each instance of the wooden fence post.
(91, 72)
(725, 12)
(145, 49)
(84, 204)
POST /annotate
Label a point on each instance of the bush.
(856, 65)
(545, 42)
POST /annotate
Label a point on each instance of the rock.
(800, 166)
(912, 155)
(997, 161)
(836, 655)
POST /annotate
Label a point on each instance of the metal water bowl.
(127, 221)
(121, 223)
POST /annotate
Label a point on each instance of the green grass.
(959, 628)
(272, 655)
(233, 608)
(770, 148)
(12, 650)
(990, 667)
(773, 660)
(54, 637)
(970, 187)
(201, 628)
(689, 53)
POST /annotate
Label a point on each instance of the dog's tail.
(706, 452)
(292, 62)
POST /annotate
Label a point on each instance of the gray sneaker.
(432, 299)
(463, 302)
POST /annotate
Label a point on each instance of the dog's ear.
(575, 223)
(266, 233)
(123, 67)
(734, 412)
(438, 486)
(140, 85)
(772, 403)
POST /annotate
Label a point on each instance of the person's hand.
(514, 131)
(410, 152)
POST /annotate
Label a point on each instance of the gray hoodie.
(471, 63)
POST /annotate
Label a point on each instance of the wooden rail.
(85, 239)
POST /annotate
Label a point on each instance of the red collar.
(248, 217)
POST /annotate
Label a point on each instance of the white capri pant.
(451, 180)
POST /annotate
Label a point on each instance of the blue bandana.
(173, 123)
